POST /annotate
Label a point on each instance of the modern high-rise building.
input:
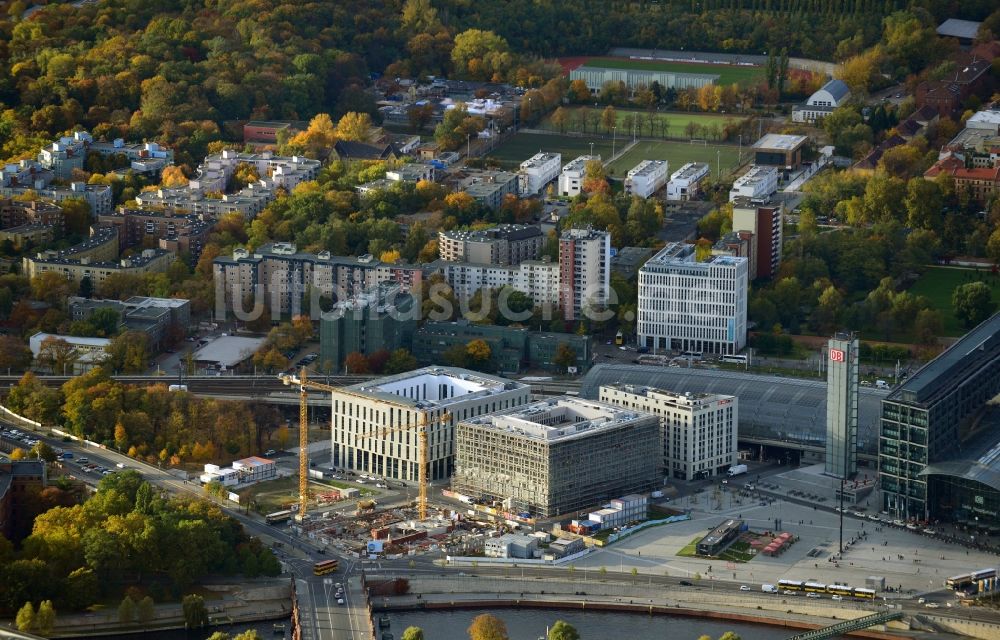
(698, 430)
(692, 306)
(584, 270)
(381, 318)
(842, 406)
(764, 221)
(557, 456)
(439, 397)
(938, 447)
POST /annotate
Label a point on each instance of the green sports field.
(676, 122)
(677, 154)
(938, 284)
(524, 145)
(728, 74)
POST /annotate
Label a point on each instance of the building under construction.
(557, 456)
(376, 424)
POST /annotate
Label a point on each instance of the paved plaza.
(906, 559)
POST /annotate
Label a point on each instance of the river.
(530, 624)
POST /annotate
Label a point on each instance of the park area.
(938, 284)
(276, 495)
(676, 154)
(728, 73)
(650, 124)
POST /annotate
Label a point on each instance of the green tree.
(126, 610)
(25, 619)
(43, 451)
(487, 627)
(481, 55)
(129, 352)
(195, 613)
(400, 361)
(45, 619)
(564, 357)
(251, 634)
(413, 633)
(145, 610)
(973, 303)
(563, 630)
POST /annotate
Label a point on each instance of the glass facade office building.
(936, 450)
(842, 406)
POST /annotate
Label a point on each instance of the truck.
(768, 588)
(737, 469)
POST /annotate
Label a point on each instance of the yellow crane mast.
(304, 385)
(423, 452)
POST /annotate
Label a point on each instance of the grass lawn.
(276, 495)
(677, 154)
(938, 284)
(522, 146)
(677, 122)
(728, 74)
(690, 549)
(739, 551)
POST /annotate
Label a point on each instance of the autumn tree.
(173, 176)
(56, 355)
(413, 633)
(195, 613)
(564, 357)
(354, 126)
(356, 363)
(14, 354)
(129, 352)
(400, 361)
(51, 287)
(609, 118)
(487, 627)
(560, 118)
(25, 619)
(578, 91)
(481, 55)
(320, 135)
(126, 610)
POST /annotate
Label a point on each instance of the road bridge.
(847, 626)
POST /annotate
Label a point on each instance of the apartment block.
(698, 430)
(538, 279)
(507, 244)
(148, 261)
(763, 221)
(692, 306)
(16, 213)
(538, 171)
(375, 424)
(65, 154)
(28, 235)
(489, 187)
(217, 169)
(572, 175)
(685, 183)
(70, 152)
(646, 178)
(584, 270)
(248, 202)
(98, 196)
(557, 456)
(278, 276)
(169, 231)
(756, 184)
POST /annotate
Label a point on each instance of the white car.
(340, 601)
(744, 587)
(789, 592)
(813, 595)
(836, 597)
(932, 605)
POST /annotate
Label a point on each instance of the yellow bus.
(619, 338)
(325, 567)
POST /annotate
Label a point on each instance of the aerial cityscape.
(521, 320)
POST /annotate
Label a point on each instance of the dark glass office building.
(939, 446)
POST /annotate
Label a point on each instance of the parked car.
(686, 583)
(744, 587)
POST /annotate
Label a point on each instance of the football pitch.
(671, 124)
(524, 145)
(677, 154)
(728, 73)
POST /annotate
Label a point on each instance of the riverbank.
(229, 604)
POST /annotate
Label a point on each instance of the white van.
(768, 588)
(881, 384)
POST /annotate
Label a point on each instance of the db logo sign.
(836, 355)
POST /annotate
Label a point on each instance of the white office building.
(685, 183)
(538, 171)
(646, 178)
(375, 424)
(692, 306)
(699, 430)
(757, 184)
(572, 175)
(584, 270)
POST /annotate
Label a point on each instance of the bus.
(790, 585)
(733, 359)
(278, 517)
(325, 566)
(619, 338)
(864, 593)
(839, 590)
(971, 584)
(815, 587)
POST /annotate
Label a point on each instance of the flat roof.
(559, 419)
(780, 142)
(646, 167)
(690, 170)
(687, 398)
(434, 386)
(254, 461)
(228, 350)
(721, 531)
(579, 163)
(955, 28)
(953, 367)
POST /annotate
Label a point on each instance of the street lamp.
(614, 136)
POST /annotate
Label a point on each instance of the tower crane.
(304, 385)
(423, 455)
